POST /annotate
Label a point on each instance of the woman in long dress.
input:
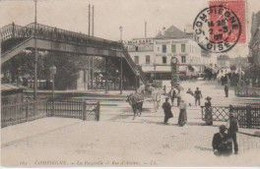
(208, 111)
(183, 113)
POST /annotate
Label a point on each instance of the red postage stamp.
(221, 26)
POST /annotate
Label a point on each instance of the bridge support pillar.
(106, 76)
(121, 75)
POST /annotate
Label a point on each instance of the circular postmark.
(217, 29)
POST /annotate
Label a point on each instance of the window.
(173, 48)
(164, 48)
(183, 48)
(136, 60)
(147, 59)
(164, 59)
(158, 49)
(183, 59)
(136, 48)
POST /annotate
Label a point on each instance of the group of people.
(168, 112)
(175, 93)
(226, 138)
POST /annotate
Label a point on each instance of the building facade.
(154, 54)
(254, 52)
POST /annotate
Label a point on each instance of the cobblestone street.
(117, 139)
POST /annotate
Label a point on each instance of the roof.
(172, 32)
(10, 87)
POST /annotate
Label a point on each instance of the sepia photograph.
(130, 83)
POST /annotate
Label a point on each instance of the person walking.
(226, 90)
(172, 95)
(167, 110)
(220, 143)
(198, 96)
(190, 96)
(208, 111)
(183, 113)
(164, 89)
(232, 126)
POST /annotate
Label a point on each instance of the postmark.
(217, 29)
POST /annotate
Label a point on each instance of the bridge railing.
(132, 64)
(55, 34)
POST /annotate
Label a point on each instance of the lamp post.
(35, 52)
(137, 79)
(121, 33)
(53, 70)
(174, 71)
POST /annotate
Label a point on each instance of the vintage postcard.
(130, 83)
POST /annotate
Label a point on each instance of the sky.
(110, 15)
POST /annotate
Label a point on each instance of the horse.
(136, 102)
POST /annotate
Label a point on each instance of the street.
(117, 140)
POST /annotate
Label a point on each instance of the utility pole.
(92, 58)
(93, 20)
(89, 19)
(89, 57)
(145, 29)
(35, 52)
(121, 33)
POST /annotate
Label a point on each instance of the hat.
(208, 98)
(222, 127)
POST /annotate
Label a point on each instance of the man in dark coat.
(208, 111)
(167, 111)
(232, 130)
(226, 90)
(220, 143)
(198, 96)
(172, 94)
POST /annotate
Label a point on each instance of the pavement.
(118, 140)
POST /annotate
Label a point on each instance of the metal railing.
(134, 66)
(55, 34)
(248, 116)
(12, 114)
(247, 91)
(84, 110)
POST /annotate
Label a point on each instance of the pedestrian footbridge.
(16, 38)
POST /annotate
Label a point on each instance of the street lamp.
(53, 70)
(35, 52)
(121, 33)
(137, 79)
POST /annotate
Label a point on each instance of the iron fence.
(12, 114)
(84, 110)
(248, 116)
(247, 91)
